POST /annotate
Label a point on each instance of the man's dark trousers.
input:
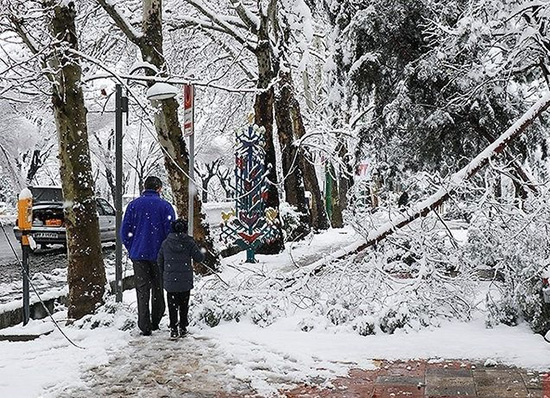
(148, 284)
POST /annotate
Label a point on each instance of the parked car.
(48, 218)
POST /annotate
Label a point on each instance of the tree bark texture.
(344, 182)
(291, 158)
(336, 211)
(295, 122)
(86, 272)
(289, 118)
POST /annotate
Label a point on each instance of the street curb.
(37, 311)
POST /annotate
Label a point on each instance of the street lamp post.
(158, 91)
(121, 105)
(189, 130)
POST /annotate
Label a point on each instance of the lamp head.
(161, 91)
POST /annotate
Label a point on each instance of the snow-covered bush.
(220, 302)
(412, 279)
(111, 314)
(407, 284)
(292, 223)
(364, 325)
(415, 278)
(514, 243)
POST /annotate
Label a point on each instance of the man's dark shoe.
(173, 333)
(155, 327)
(146, 333)
(183, 332)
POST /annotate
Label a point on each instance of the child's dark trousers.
(178, 304)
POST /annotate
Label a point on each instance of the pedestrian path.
(442, 379)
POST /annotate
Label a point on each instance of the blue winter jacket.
(145, 225)
(174, 261)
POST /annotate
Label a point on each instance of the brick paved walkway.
(421, 379)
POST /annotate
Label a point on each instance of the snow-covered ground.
(113, 360)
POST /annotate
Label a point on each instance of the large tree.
(56, 24)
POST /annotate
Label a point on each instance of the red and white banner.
(188, 103)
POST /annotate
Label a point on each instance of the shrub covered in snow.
(293, 224)
(514, 243)
(415, 278)
(111, 314)
(220, 303)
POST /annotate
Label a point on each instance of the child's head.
(180, 225)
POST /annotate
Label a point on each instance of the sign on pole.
(188, 100)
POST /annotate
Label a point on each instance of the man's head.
(180, 225)
(153, 183)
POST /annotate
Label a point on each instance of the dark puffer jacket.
(174, 261)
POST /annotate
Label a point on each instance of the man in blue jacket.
(146, 224)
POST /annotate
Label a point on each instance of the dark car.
(48, 218)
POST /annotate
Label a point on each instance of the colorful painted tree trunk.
(251, 223)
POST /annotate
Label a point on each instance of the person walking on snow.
(146, 224)
(174, 261)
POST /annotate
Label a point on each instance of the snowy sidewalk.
(155, 366)
(196, 367)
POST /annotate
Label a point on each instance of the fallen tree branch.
(460, 176)
(435, 200)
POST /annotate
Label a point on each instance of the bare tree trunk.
(291, 126)
(319, 220)
(86, 272)
(224, 176)
(263, 113)
(206, 176)
(37, 161)
(107, 155)
(336, 211)
(291, 158)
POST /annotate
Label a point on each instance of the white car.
(48, 218)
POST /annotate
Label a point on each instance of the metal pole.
(26, 307)
(191, 166)
(24, 221)
(118, 191)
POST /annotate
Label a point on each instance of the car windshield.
(47, 194)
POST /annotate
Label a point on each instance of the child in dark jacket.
(174, 260)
